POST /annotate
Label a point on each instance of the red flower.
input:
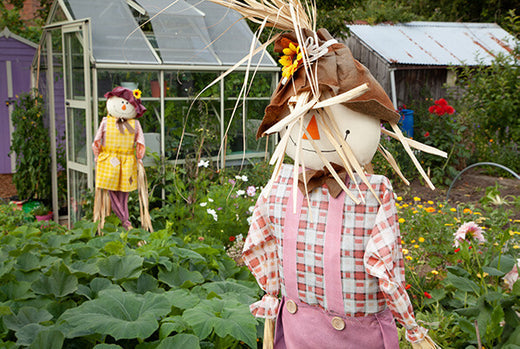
(470, 247)
(439, 111)
(427, 134)
(232, 238)
(457, 250)
(449, 109)
(427, 295)
(432, 109)
(408, 286)
(441, 101)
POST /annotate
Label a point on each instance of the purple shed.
(16, 56)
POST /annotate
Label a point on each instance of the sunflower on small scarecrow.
(324, 233)
(119, 148)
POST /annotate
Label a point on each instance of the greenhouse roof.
(436, 43)
(182, 32)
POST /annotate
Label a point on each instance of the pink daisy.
(467, 231)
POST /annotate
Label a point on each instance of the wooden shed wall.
(413, 82)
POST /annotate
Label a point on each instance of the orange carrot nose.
(312, 129)
(123, 107)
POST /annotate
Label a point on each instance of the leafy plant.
(31, 144)
(69, 288)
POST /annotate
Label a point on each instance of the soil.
(7, 188)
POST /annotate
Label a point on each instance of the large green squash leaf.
(58, 281)
(145, 283)
(180, 277)
(48, 338)
(27, 262)
(118, 314)
(26, 316)
(27, 334)
(182, 340)
(182, 298)
(225, 317)
(16, 291)
(97, 285)
(242, 293)
(121, 267)
(107, 346)
(172, 324)
(84, 269)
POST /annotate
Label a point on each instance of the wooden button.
(338, 323)
(291, 306)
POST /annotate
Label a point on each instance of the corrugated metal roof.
(435, 43)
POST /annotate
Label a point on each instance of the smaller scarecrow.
(119, 148)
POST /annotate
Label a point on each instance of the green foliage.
(453, 287)
(67, 289)
(380, 11)
(31, 143)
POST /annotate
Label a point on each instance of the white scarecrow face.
(361, 132)
(120, 108)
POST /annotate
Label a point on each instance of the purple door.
(16, 55)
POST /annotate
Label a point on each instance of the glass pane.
(75, 66)
(78, 190)
(77, 134)
(115, 33)
(146, 81)
(201, 129)
(230, 37)
(180, 32)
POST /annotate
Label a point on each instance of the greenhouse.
(171, 51)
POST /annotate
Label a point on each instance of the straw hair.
(102, 208)
(142, 188)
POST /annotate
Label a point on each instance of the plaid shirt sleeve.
(98, 139)
(384, 259)
(261, 256)
(139, 140)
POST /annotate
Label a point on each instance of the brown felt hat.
(337, 72)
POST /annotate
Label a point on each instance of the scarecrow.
(119, 148)
(324, 232)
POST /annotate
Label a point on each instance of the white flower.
(213, 213)
(249, 220)
(240, 192)
(203, 204)
(243, 178)
(251, 209)
(210, 199)
(203, 163)
(251, 190)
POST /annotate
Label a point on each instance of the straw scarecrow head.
(123, 103)
(327, 108)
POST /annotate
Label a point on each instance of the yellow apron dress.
(116, 165)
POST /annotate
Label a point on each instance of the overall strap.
(289, 238)
(332, 255)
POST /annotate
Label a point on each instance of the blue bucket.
(406, 122)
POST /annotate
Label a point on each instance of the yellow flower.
(453, 209)
(441, 205)
(483, 275)
(413, 241)
(409, 258)
(434, 272)
(467, 210)
(402, 220)
(516, 247)
(399, 198)
(414, 211)
(477, 213)
(405, 205)
(137, 93)
(416, 246)
(430, 209)
(421, 239)
(405, 251)
(448, 224)
(415, 198)
(430, 202)
(420, 206)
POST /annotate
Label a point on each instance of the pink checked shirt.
(372, 266)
